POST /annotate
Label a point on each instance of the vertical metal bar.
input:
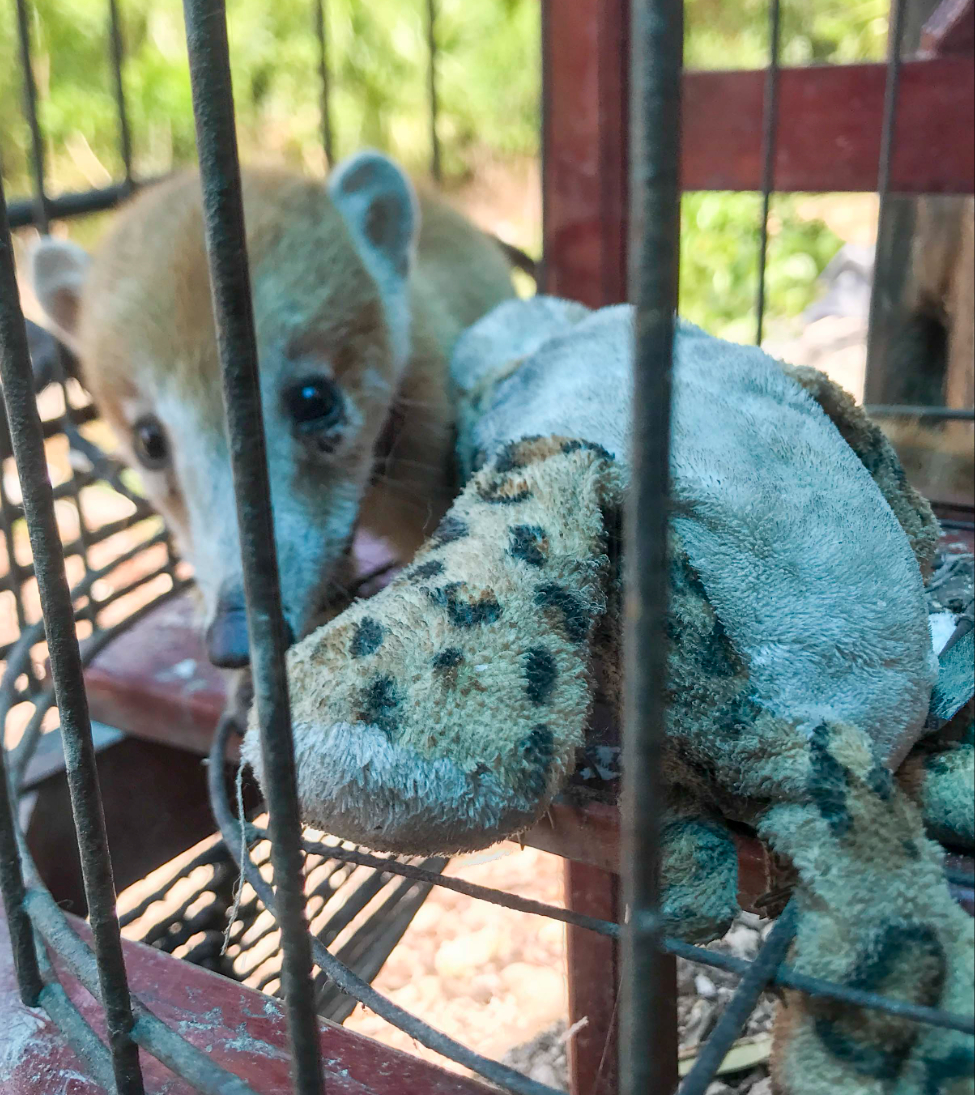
(213, 107)
(770, 120)
(118, 55)
(11, 876)
(648, 1027)
(545, 150)
(15, 574)
(42, 222)
(436, 169)
(28, 445)
(41, 219)
(878, 305)
(321, 30)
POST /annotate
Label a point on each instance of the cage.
(156, 704)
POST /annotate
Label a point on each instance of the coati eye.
(313, 404)
(150, 442)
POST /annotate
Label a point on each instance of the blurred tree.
(489, 84)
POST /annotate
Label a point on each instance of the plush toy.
(445, 713)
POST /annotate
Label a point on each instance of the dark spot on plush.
(911, 850)
(451, 528)
(498, 492)
(881, 782)
(718, 657)
(940, 1071)
(828, 783)
(432, 568)
(537, 751)
(448, 658)
(540, 675)
(511, 456)
(711, 842)
(477, 460)
(528, 543)
(904, 959)
(736, 716)
(380, 701)
(571, 608)
(693, 582)
(463, 612)
(368, 637)
(588, 446)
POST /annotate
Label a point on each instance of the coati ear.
(379, 205)
(57, 271)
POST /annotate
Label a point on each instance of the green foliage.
(723, 34)
(489, 83)
(488, 77)
(720, 240)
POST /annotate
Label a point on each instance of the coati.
(360, 288)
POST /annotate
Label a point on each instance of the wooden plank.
(584, 149)
(155, 681)
(240, 1029)
(593, 974)
(829, 128)
(590, 834)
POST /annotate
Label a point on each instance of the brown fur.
(147, 300)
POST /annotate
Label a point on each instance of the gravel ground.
(702, 995)
(495, 979)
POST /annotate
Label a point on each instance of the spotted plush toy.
(445, 713)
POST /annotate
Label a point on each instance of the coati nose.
(226, 638)
(227, 641)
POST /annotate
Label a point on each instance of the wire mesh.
(30, 910)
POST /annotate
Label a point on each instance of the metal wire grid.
(357, 910)
(30, 909)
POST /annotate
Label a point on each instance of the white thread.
(238, 890)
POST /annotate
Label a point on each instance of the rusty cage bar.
(648, 1011)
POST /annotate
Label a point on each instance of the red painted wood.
(584, 141)
(829, 128)
(240, 1029)
(155, 681)
(593, 972)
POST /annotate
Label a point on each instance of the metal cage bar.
(66, 671)
(770, 129)
(223, 214)
(433, 99)
(42, 220)
(324, 77)
(648, 1026)
(878, 306)
(118, 58)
